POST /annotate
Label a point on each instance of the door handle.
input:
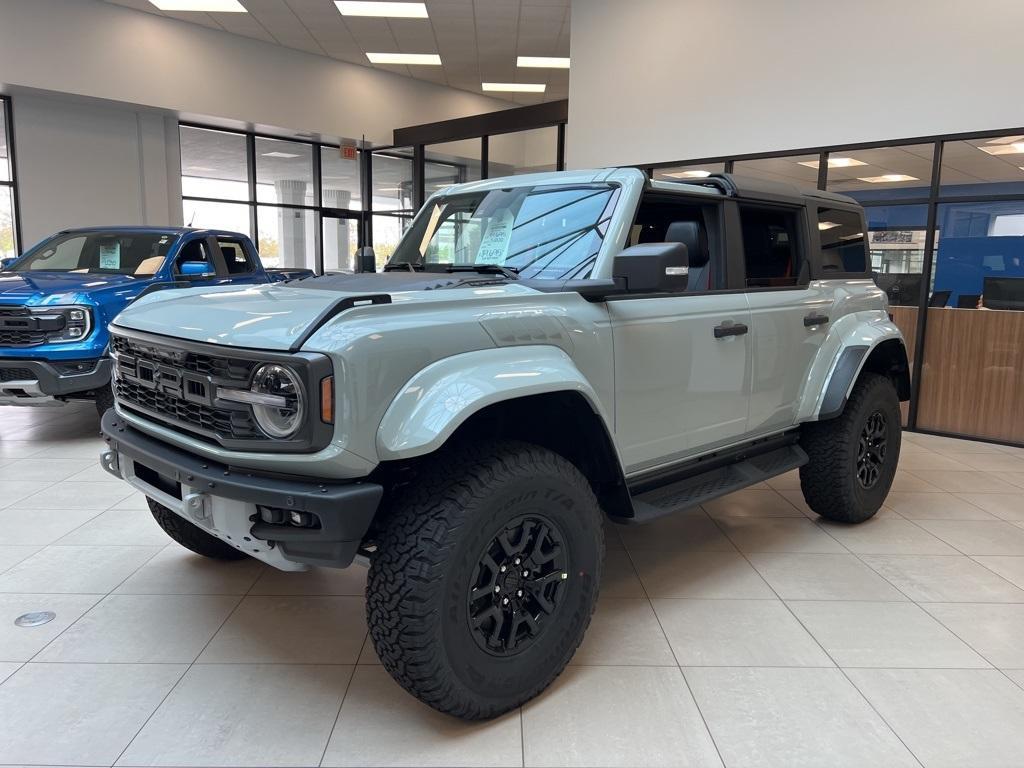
(811, 320)
(736, 329)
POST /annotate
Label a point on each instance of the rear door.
(240, 265)
(681, 383)
(789, 313)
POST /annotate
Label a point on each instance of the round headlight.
(283, 410)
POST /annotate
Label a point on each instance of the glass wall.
(8, 219)
(269, 188)
(946, 238)
(532, 151)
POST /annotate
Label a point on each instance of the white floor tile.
(149, 629)
(177, 571)
(316, 581)
(778, 534)
(119, 527)
(752, 503)
(978, 537)
(967, 481)
(78, 714)
(48, 470)
(881, 536)
(376, 709)
(15, 491)
(624, 631)
(909, 482)
(578, 721)
(949, 718)
(943, 578)
(936, 506)
(734, 633)
(699, 574)
(677, 532)
(243, 715)
(291, 630)
(22, 643)
(822, 577)
(1009, 567)
(1008, 506)
(12, 555)
(69, 495)
(874, 634)
(993, 630)
(40, 526)
(619, 578)
(8, 668)
(75, 570)
(790, 718)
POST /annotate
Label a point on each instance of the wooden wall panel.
(972, 377)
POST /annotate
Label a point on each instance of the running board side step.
(718, 481)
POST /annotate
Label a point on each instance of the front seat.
(692, 235)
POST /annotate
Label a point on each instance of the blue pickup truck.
(58, 297)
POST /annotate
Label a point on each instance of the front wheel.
(485, 578)
(853, 457)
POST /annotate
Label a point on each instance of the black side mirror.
(653, 268)
(366, 260)
(5, 263)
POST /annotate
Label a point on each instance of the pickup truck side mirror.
(653, 268)
(5, 263)
(195, 269)
(366, 260)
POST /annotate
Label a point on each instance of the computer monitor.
(902, 288)
(1004, 293)
(939, 298)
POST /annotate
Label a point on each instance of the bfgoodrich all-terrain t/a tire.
(191, 536)
(853, 457)
(485, 577)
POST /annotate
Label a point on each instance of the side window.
(843, 247)
(194, 251)
(238, 263)
(674, 219)
(771, 247)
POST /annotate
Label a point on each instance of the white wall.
(660, 80)
(82, 163)
(106, 51)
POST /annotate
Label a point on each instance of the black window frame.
(801, 246)
(7, 110)
(818, 271)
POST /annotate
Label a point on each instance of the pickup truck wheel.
(853, 457)
(485, 577)
(191, 536)
(104, 399)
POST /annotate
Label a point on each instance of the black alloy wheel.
(871, 450)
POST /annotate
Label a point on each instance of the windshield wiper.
(486, 269)
(402, 266)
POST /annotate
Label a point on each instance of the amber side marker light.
(327, 400)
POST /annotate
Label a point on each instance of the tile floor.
(746, 633)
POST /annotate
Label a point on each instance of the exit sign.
(348, 152)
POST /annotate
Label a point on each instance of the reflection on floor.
(747, 633)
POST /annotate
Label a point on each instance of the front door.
(341, 240)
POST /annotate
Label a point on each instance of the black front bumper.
(95, 374)
(344, 509)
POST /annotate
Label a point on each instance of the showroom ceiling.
(478, 40)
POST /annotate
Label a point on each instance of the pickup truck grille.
(178, 387)
(16, 374)
(13, 336)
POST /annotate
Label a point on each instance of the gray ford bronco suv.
(542, 353)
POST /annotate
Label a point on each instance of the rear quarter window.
(843, 244)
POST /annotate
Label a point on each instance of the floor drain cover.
(35, 619)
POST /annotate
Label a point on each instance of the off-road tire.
(418, 599)
(191, 536)
(829, 480)
(104, 399)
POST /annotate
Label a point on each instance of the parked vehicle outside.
(57, 299)
(543, 354)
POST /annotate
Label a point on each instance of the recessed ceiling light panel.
(392, 10)
(278, 154)
(543, 62)
(207, 6)
(515, 87)
(888, 178)
(1016, 148)
(823, 225)
(430, 59)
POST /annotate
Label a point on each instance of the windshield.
(106, 253)
(548, 232)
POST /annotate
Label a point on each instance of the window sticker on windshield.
(110, 256)
(494, 244)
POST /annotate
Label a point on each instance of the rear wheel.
(485, 578)
(191, 536)
(853, 457)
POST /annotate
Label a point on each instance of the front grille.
(178, 386)
(13, 336)
(16, 374)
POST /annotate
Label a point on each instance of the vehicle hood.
(276, 315)
(44, 288)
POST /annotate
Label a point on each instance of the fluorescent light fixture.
(543, 62)
(278, 154)
(392, 10)
(834, 162)
(515, 87)
(208, 6)
(823, 225)
(888, 178)
(700, 174)
(405, 58)
(1005, 140)
(1015, 148)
